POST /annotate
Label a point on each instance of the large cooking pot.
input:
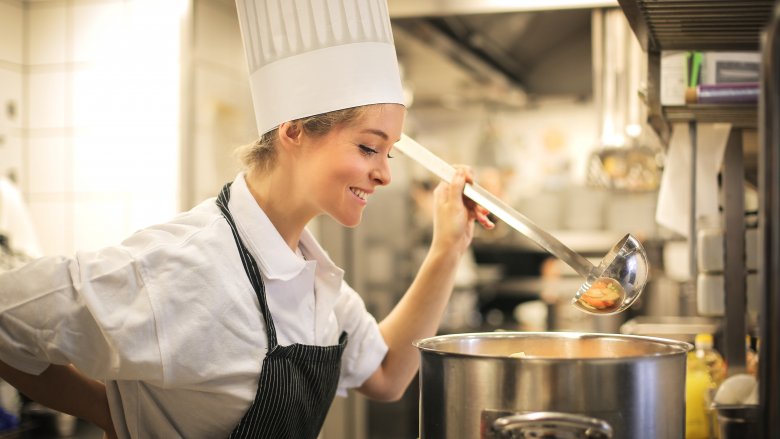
(525, 384)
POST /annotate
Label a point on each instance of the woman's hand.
(105, 422)
(418, 313)
(454, 214)
(65, 389)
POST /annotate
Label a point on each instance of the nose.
(381, 173)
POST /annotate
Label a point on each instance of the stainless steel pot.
(569, 383)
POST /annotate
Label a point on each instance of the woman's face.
(344, 167)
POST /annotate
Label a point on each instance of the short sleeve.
(366, 347)
(92, 311)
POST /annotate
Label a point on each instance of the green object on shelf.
(695, 60)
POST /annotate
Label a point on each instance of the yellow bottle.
(716, 368)
(698, 384)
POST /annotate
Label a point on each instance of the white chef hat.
(308, 57)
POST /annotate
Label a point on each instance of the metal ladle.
(609, 288)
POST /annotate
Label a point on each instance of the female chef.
(231, 320)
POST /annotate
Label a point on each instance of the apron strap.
(250, 266)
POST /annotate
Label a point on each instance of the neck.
(275, 194)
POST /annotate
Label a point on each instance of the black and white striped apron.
(297, 382)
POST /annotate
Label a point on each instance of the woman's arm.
(418, 313)
(65, 389)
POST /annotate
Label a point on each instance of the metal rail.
(697, 24)
(734, 273)
(769, 230)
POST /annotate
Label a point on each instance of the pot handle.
(542, 424)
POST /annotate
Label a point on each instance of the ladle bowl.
(609, 288)
(626, 263)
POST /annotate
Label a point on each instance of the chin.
(351, 222)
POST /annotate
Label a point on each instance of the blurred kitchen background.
(116, 114)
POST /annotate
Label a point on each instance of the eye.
(367, 150)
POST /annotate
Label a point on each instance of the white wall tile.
(54, 224)
(224, 120)
(154, 29)
(151, 97)
(222, 95)
(46, 34)
(152, 208)
(11, 35)
(99, 96)
(48, 164)
(108, 159)
(11, 156)
(99, 31)
(217, 35)
(103, 162)
(118, 171)
(10, 94)
(107, 95)
(46, 93)
(155, 155)
(100, 221)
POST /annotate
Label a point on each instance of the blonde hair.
(262, 153)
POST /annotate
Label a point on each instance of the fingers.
(482, 217)
(463, 175)
(454, 189)
(476, 211)
(459, 181)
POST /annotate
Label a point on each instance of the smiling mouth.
(358, 193)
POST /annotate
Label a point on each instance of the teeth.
(359, 193)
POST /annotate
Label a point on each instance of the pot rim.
(674, 347)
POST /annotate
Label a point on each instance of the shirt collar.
(328, 276)
(274, 257)
(313, 251)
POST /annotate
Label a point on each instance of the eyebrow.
(379, 133)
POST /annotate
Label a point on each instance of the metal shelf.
(728, 25)
(705, 25)
(708, 25)
(740, 116)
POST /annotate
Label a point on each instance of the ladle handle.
(505, 212)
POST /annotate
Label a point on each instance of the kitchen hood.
(495, 52)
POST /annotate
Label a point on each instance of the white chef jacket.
(170, 320)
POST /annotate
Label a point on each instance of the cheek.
(330, 178)
(346, 171)
(335, 169)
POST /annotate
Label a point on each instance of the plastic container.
(713, 360)
(698, 388)
(706, 370)
(736, 93)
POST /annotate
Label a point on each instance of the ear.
(290, 134)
